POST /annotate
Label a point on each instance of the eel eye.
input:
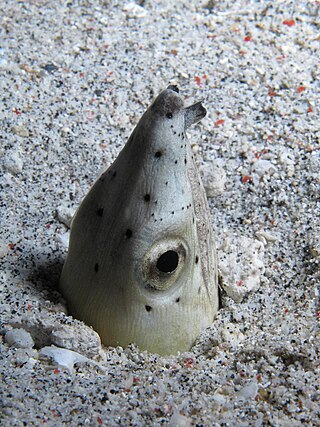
(163, 263)
(169, 115)
(168, 261)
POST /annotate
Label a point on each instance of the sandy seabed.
(75, 78)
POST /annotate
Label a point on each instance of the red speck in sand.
(246, 179)
(197, 79)
(271, 92)
(289, 22)
(189, 362)
(301, 89)
(219, 122)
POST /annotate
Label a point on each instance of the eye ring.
(163, 263)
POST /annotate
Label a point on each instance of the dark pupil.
(169, 115)
(168, 261)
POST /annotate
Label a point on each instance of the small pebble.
(249, 391)
(214, 179)
(4, 249)
(65, 215)
(63, 238)
(19, 338)
(78, 337)
(13, 162)
(263, 167)
(20, 131)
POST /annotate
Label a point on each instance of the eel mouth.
(194, 114)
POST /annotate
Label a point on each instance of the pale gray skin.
(150, 201)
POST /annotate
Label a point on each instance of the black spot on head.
(147, 197)
(148, 308)
(114, 174)
(128, 233)
(96, 267)
(166, 182)
(99, 211)
(175, 162)
(158, 154)
(197, 259)
(182, 208)
(172, 212)
(171, 126)
(174, 132)
(185, 161)
(178, 299)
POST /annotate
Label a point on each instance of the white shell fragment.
(241, 266)
(133, 10)
(142, 266)
(66, 358)
(214, 179)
